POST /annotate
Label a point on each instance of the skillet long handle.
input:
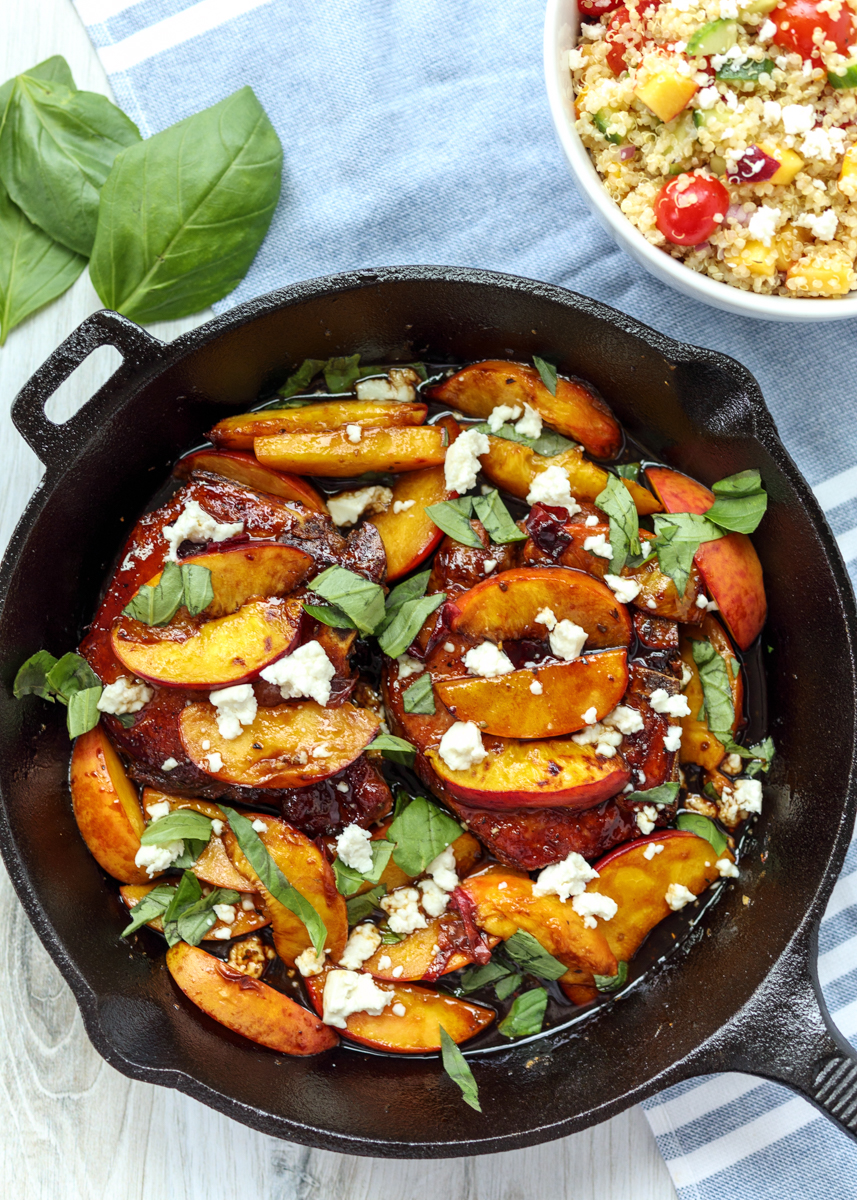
(57, 445)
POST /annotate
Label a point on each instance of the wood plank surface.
(71, 1127)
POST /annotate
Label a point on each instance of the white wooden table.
(72, 1128)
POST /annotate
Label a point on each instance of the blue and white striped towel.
(417, 131)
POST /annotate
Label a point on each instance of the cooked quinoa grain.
(727, 134)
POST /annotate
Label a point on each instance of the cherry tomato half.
(797, 19)
(687, 213)
(622, 36)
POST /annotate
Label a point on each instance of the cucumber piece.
(703, 117)
(714, 38)
(848, 79)
(748, 72)
(603, 120)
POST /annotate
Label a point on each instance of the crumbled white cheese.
(169, 764)
(576, 59)
(646, 818)
(567, 640)
(625, 719)
(124, 696)
(385, 962)
(398, 385)
(798, 118)
(536, 688)
(461, 746)
(767, 31)
(764, 221)
(590, 905)
(726, 868)
(707, 98)
(443, 870)
(625, 590)
(603, 739)
(217, 826)
(306, 672)
(236, 706)
(222, 934)
(823, 225)
(599, 545)
(701, 601)
(594, 31)
(566, 878)
(488, 661)
(342, 787)
(322, 751)
(247, 903)
(590, 717)
(259, 826)
(650, 603)
(206, 744)
(824, 144)
(362, 944)
(354, 848)
(398, 1010)
(552, 487)
(672, 738)
(591, 521)
(530, 424)
(154, 859)
(434, 898)
(671, 706)
(215, 762)
(348, 507)
(462, 460)
(449, 647)
(308, 962)
(677, 896)
(748, 794)
(502, 413)
(194, 524)
(409, 666)
(652, 849)
(400, 506)
(489, 565)
(398, 972)
(546, 617)
(354, 433)
(403, 911)
(161, 808)
(225, 913)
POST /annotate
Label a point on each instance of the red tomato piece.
(690, 207)
(622, 36)
(796, 20)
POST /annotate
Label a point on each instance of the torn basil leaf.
(527, 1014)
(714, 677)
(453, 517)
(457, 1068)
(421, 832)
(419, 697)
(503, 988)
(629, 471)
(175, 827)
(357, 597)
(361, 907)
(32, 677)
(83, 713)
(547, 371)
(341, 374)
(481, 976)
(409, 589)
(763, 753)
(396, 749)
(703, 827)
(547, 444)
(197, 591)
(530, 954)
(300, 379)
(495, 516)
(329, 614)
(740, 502)
(402, 624)
(157, 604)
(612, 983)
(679, 536)
(619, 505)
(154, 904)
(349, 880)
(665, 793)
(71, 674)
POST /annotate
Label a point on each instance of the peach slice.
(410, 535)
(538, 774)
(504, 903)
(698, 743)
(239, 432)
(245, 921)
(417, 1030)
(251, 569)
(246, 469)
(247, 1006)
(214, 865)
(335, 455)
(439, 948)
(639, 885)
(506, 704)
(576, 410)
(292, 745)
(730, 566)
(506, 606)
(215, 654)
(309, 872)
(106, 807)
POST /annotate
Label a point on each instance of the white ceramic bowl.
(561, 22)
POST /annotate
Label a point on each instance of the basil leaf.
(403, 624)
(32, 677)
(358, 598)
(494, 515)
(389, 938)
(329, 614)
(456, 1067)
(679, 536)
(193, 847)
(198, 592)
(478, 977)
(548, 444)
(530, 954)
(612, 983)
(763, 753)
(126, 720)
(348, 880)
(629, 471)
(186, 894)
(83, 713)
(194, 921)
(548, 373)
(453, 517)
(153, 904)
(274, 880)
(361, 907)
(527, 1014)
(175, 827)
(504, 987)
(714, 677)
(419, 697)
(300, 379)
(401, 803)
(341, 374)
(183, 213)
(71, 674)
(157, 604)
(53, 70)
(421, 832)
(57, 149)
(748, 72)
(740, 502)
(704, 828)
(409, 589)
(618, 503)
(396, 749)
(664, 794)
(34, 269)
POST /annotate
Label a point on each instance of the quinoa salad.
(726, 134)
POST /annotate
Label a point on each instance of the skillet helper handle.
(57, 445)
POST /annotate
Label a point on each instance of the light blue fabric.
(417, 131)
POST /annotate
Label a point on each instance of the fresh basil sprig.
(494, 515)
(394, 748)
(341, 374)
(421, 832)
(740, 502)
(329, 614)
(402, 624)
(458, 1069)
(190, 914)
(527, 1014)
(361, 600)
(704, 828)
(530, 954)
(716, 689)
(176, 826)
(612, 983)
(453, 517)
(274, 880)
(70, 680)
(547, 371)
(361, 907)
(665, 793)
(482, 976)
(419, 697)
(154, 904)
(618, 503)
(629, 471)
(300, 379)
(348, 880)
(185, 584)
(763, 753)
(679, 536)
(548, 444)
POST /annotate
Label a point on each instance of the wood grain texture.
(72, 1128)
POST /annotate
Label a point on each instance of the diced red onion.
(754, 166)
(736, 213)
(627, 152)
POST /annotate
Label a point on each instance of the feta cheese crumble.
(502, 413)
(590, 717)
(726, 868)
(124, 696)
(652, 849)
(398, 386)
(625, 590)
(552, 487)
(487, 661)
(625, 719)
(154, 859)
(798, 118)
(217, 827)
(434, 898)
(461, 746)
(677, 896)
(566, 878)
(402, 907)
(400, 506)
(764, 221)
(225, 913)
(409, 666)
(823, 226)
(567, 640)
(462, 460)
(546, 617)
(354, 848)
(672, 739)
(536, 688)
(598, 544)
(194, 524)
(169, 764)
(235, 707)
(308, 962)
(259, 826)
(215, 762)
(671, 706)
(161, 808)
(646, 818)
(362, 944)
(354, 433)
(306, 672)
(590, 905)
(530, 424)
(348, 507)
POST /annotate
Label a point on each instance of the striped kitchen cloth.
(417, 131)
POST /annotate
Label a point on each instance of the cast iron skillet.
(744, 998)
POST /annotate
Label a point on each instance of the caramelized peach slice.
(507, 704)
(730, 566)
(337, 455)
(214, 654)
(576, 410)
(246, 469)
(698, 743)
(238, 433)
(307, 870)
(410, 535)
(504, 903)
(292, 745)
(247, 1006)
(106, 806)
(442, 947)
(639, 885)
(246, 920)
(506, 606)
(417, 1030)
(214, 865)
